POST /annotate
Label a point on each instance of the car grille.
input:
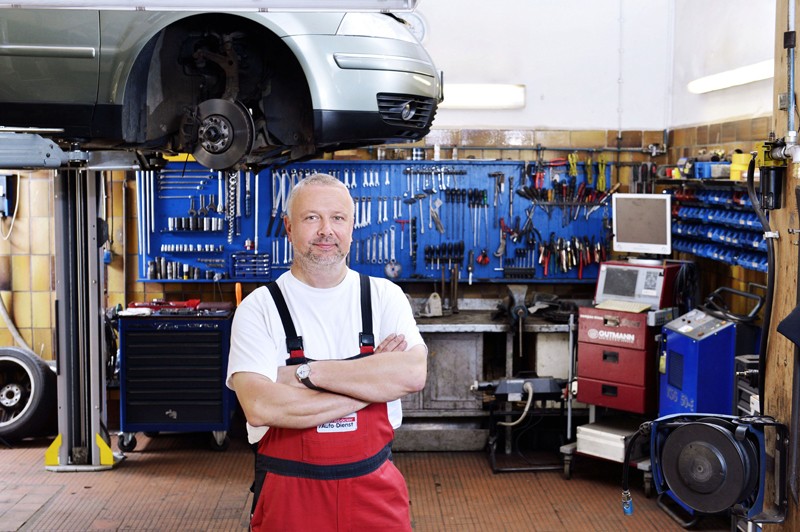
(390, 107)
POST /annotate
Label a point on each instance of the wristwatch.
(302, 373)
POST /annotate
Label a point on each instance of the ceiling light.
(731, 78)
(483, 96)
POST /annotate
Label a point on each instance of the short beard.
(315, 262)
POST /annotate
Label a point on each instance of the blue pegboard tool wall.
(414, 220)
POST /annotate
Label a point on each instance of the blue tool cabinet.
(173, 365)
(487, 220)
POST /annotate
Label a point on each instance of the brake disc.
(225, 134)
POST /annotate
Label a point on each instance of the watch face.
(303, 371)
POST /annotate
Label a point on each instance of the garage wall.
(27, 263)
(602, 64)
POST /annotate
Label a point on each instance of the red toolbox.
(616, 360)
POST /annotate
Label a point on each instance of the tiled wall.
(27, 261)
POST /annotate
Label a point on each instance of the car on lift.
(240, 88)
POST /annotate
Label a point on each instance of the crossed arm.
(390, 373)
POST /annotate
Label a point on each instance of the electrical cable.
(14, 216)
(627, 501)
(686, 286)
(713, 308)
(765, 324)
(529, 389)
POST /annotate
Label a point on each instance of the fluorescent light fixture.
(732, 78)
(483, 96)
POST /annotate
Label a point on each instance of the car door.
(48, 67)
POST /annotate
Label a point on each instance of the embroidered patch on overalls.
(347, 423)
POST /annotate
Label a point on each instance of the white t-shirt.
(328, 319)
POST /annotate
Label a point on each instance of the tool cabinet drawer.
(616, 364)
(172, 373)
(187, 413)
(614, 328)
(615, 395)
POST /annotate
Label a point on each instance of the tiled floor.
(176, 482)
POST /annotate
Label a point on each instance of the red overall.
(337, 476)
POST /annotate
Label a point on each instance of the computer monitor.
(642, 223)
(635, 282)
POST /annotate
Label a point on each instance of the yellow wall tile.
(5, 337)
(41, 275)
(40, 235)
(40, 309)
(114, 276)
(20, 234)
(553, 139)
(22, 309)
(20, 272)
(589, 139)
(27, 335)
(23, 189)
(43, 343)
(5, 272)
(41, 198)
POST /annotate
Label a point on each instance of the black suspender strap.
(366, 340)
(294, 343)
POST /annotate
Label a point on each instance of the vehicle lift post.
(82, 443)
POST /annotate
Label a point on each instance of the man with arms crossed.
(304, 366)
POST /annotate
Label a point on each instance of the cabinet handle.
(608, 390)
(611, 356)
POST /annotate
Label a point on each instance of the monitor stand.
(646, 260)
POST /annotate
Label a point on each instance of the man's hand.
(393, 342)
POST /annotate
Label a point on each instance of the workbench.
(447, 414)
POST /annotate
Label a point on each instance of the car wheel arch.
(279, 97)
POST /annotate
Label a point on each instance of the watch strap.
(311, 385)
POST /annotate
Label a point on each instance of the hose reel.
(715, 463)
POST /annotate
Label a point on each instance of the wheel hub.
(215, 134)
(10, 395)
(225, 134)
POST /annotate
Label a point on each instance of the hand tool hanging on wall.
(255, 218)
(601, 174)
(220, 199)
(276, 196)
(233, 180)
(499, 187)
(247, 194)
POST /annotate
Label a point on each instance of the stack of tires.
(28, 399)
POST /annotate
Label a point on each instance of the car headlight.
(374, 25)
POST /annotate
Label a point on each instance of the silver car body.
(134, 80)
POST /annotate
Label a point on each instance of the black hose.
(765, 323)
(627, 501)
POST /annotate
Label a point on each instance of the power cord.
(14, 216)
